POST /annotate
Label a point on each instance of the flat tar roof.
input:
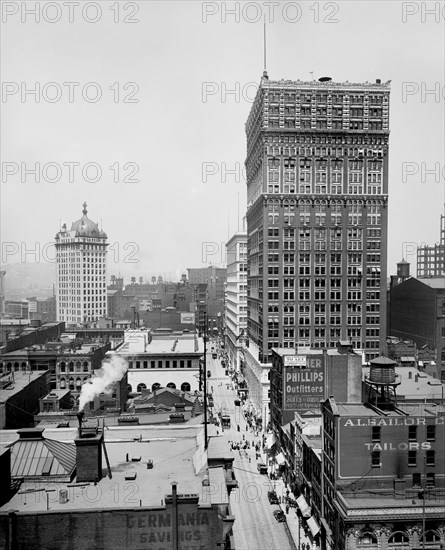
(174, 453)
(21, 380)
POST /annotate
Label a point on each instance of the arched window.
(63, 366)
(23, 366)
(171, 385)
(62, 383)
(366, 540)
(8, 366)
(141, 387)
(431, 536)
(85, 366)
(71, 383)
(185, 386)
(78, 383)
(70, 366)
(155, 386)
(398, 538)
(16, 366)
(129, 388)
(78, 365)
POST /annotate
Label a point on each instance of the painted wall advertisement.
(304, 387)
(187, 318)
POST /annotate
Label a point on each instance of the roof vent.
(31, 433)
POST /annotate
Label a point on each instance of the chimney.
(88, 453)
(80, 416)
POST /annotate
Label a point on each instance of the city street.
(255, 527)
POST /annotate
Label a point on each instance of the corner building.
(317, 191)
(81, 256)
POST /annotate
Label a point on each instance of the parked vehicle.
(272, 496)
(214, 356)
(262, 468)
(279, 515)
(225, 420)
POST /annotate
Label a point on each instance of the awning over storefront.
(313, 526)
(270, 441)
(281, 461)
(303, 505)
(407, 359)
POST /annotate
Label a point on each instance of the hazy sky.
(180, 139)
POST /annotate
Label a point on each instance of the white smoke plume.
(114, 366)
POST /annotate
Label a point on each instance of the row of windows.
(321, 295)
(305, 258)
(412, 458)
(160, 364)
(412, 433)
(185, 386)
(335, 124)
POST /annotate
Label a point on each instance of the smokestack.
(80, 416)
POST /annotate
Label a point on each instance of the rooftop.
(378, 507)
(176, 456)
(55, 394)
(325, 84)
(168, 344)
(433, 282)
(286, 352)
(19, 381)
(403, 409)
(415, 384)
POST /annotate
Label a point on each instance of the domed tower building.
(81, 256)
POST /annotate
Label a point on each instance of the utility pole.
(205, 383)
(423, 500)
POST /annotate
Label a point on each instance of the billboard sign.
(145, 305)
(304, 386)
(187, 318)
(295, 360)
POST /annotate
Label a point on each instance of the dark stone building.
(417, 313)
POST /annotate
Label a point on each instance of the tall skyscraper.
(317, 184)
(236, 300)
(81, 256)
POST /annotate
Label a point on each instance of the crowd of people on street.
(253, 440)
